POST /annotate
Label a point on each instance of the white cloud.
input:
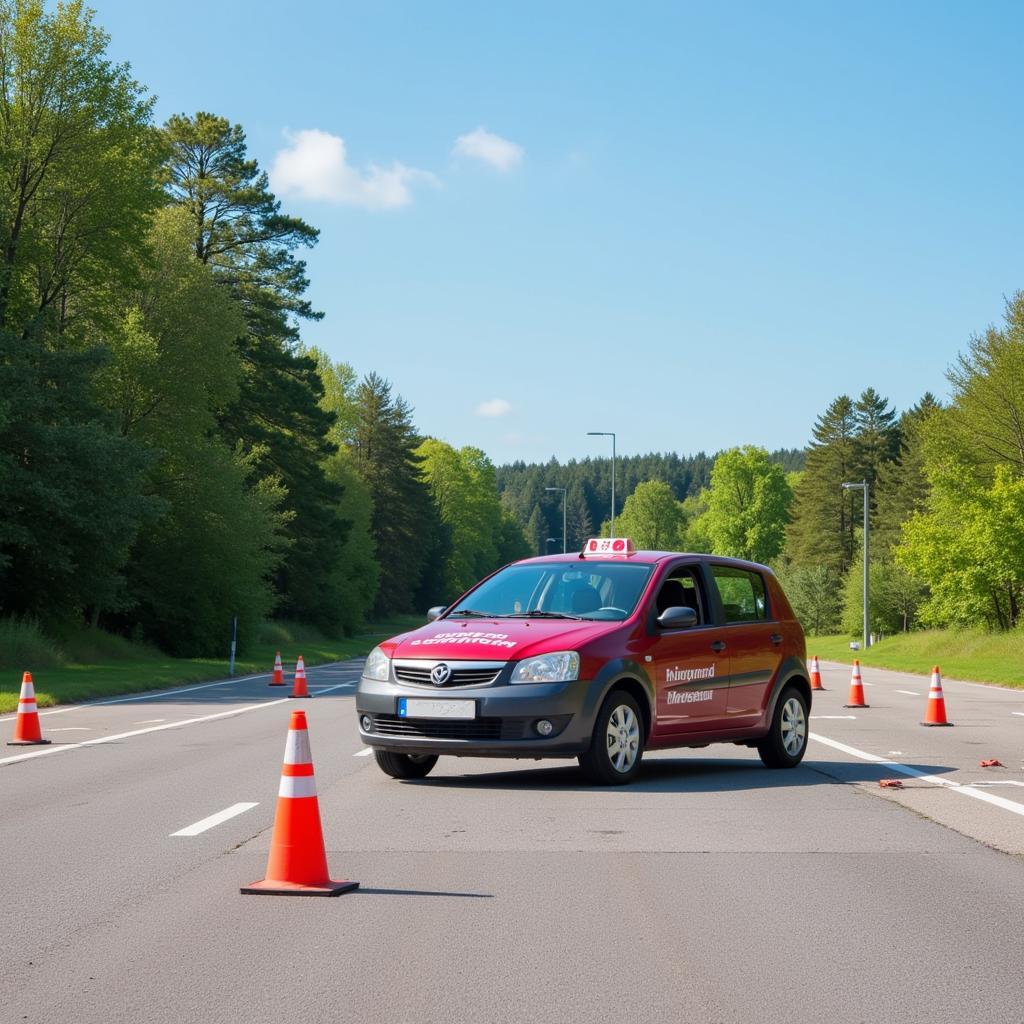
(495, 407)
(314, 165)
(492, 149)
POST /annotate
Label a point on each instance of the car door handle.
(776, 638)
(718, 645)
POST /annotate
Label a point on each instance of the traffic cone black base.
(277, 889)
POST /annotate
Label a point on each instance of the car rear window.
(742, 593)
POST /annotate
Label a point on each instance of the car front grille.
(450, 729)
(470, 674)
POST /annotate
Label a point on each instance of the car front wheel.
(617, 743)
(405, 766)
(786, 742)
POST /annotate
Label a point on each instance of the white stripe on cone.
(296, 750)
(297, 786)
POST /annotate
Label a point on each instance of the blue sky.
(692, 224)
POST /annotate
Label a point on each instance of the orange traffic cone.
(298, 861)
(816, 674)
(856, 689)
(26, 727)
(278, 677)
(936, 711)
(299, 688)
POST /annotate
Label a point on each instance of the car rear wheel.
(405, 766)
(786, 742)
(617, 743)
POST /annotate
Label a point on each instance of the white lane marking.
(72, 728)
(904, 769)
(159, 693)
(1021, 713)
(150, 721)
(365, 752)
(214, 819)
(999, 782)
(909, 693)
(140, 732)
(895, 753)
(327, 689)
(833, 716)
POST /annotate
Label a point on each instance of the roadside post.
(234, 641)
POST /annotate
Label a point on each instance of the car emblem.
(440, 674)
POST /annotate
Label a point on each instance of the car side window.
(742, 593)
(682, 590)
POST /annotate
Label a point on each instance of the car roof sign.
(603, 547)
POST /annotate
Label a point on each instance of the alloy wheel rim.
(623, 738)
(794, 726)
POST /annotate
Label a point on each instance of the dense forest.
(173, 455)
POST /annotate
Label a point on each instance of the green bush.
(25, 647)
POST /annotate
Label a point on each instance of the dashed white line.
(1021, 713)
(909, 693)
(214, 819)
(139, 732)
(365, 752)
(905, 769)
(72, 728)
(833, 716)
(150, 721)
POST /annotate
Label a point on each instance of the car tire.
(617, 743)
(405, 766)
(786, 742)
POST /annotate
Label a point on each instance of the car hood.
(495, 639)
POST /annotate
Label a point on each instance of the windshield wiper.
(472, 613)
(538, 614)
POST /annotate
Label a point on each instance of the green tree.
(969, 548)
(239, 231)
(877, 440)
(383, 446)
(816, 594)
(78, 163)
(747, 505)
(823, 517)
(652, 517)
(536, 532)
(894, 597)
(70, 487)
(902, 486)
(207, 553)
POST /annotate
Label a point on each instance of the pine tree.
(877, 437)
(241, 233)
(823, 523)
(383, 445)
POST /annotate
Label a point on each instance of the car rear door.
(754, 640)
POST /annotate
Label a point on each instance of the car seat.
(585, 601)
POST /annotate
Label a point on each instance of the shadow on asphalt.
(363, 891)
(666, 775)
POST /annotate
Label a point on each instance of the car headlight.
(548, 668)
(378, 665)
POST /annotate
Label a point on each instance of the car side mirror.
(436, 612)
(677, 617)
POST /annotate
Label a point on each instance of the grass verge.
(961, 654)
(91, 665)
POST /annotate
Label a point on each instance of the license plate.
(414, 707)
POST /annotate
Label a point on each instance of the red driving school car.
(597, 656)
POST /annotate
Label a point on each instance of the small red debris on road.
(891, 783)
(993, 763)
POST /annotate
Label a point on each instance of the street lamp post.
(563, 490)
(608, 433)
(863, 486)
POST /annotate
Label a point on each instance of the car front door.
(690, 667)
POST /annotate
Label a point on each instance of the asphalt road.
(712, 890)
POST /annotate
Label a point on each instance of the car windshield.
(570, 590)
